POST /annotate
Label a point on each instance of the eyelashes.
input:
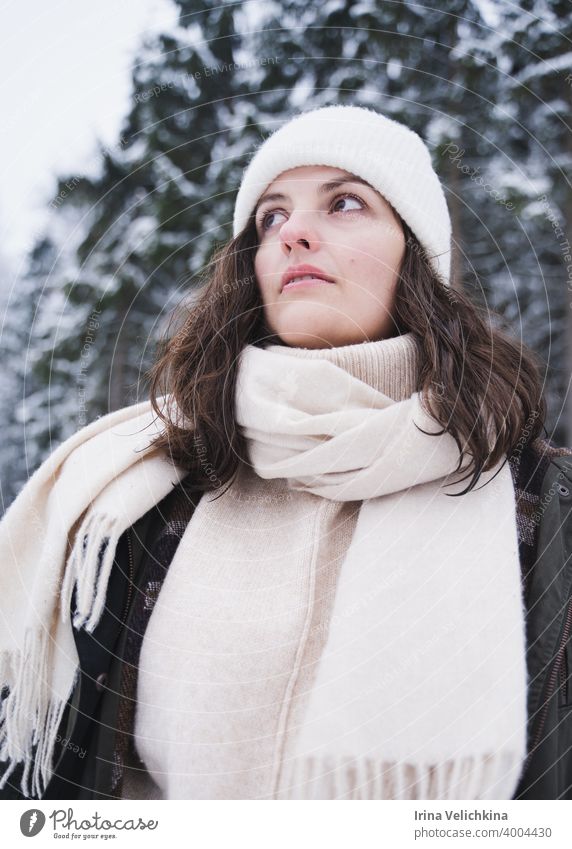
(261, 220)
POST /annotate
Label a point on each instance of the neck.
(389, 365)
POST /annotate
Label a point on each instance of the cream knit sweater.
(181, 683)
(390, 366)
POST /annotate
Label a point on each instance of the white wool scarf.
(424, 664)
(61, 531)
(420, 687)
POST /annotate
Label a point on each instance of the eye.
(349, 197)
(263, 219)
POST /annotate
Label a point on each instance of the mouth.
(303, 275)
(299, 282)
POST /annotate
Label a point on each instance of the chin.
(307, 339)
(315, 328)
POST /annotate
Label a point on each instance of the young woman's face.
(348, 232)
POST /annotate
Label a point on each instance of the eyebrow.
(324, 189)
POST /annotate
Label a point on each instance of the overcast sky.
(65, 82)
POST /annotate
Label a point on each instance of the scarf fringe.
(46, 562)
(30, 715)
(88, 569)
(465, 777)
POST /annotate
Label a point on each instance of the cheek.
(372, 257)
(258, 267)
(370, 265)
(388, 255)
(261, 273)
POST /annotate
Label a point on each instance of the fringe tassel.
(29, 715)
(88, 569)
(467, 777)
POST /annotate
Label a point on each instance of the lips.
(304, 271)
(306, 281)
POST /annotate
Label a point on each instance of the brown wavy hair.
(471, 371)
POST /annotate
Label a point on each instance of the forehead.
(318, 178)
(313, 174)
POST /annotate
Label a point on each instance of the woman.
(320, 608)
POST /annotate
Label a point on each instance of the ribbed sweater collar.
(389, 365)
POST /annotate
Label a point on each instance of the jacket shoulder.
(537, 461)
(542, 473)
(539, 467)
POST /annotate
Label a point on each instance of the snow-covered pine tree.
(536, 46)
(485, 84)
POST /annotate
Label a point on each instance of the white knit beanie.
(390, 156)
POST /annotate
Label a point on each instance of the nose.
(299, 230)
